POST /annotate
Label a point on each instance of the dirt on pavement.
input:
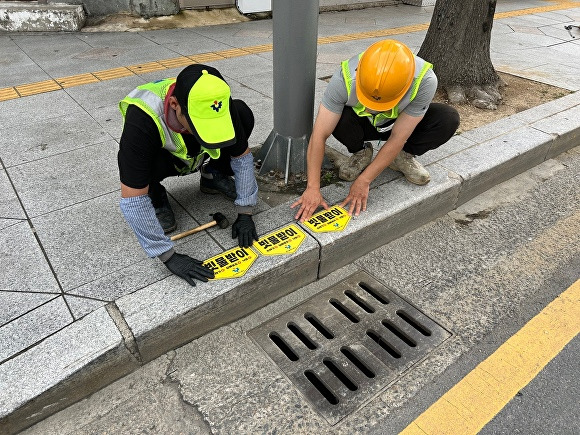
(519, 94)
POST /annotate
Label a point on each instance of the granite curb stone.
(67, 366)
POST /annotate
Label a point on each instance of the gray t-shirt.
(335, 96)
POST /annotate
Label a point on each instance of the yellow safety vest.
(150, 98)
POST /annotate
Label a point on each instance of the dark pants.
(437, 126)
(164, 165)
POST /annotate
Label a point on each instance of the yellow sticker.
(334, 219)
(231, 264)
(283, 241)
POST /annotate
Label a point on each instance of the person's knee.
(447, 116)
(453, 118)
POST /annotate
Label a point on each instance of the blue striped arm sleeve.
(140, 215)
(246, 185)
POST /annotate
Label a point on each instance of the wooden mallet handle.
(193, 231)
(218, 219)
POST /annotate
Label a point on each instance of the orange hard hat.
(384, 74)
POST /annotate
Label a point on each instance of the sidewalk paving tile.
(106, 93)
(81, 306)
(98, 243)
(15, 304)
(49, 137)
(10, 207)
(43, 191)
(24, 265)
(31, 109)
(33, 327)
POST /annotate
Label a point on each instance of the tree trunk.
(457, 44)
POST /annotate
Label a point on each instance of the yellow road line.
(469, 405)
(82, 79)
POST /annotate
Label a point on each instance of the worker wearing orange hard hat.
(383, 94)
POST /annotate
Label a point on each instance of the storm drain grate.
(346, 344)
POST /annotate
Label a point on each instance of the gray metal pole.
(295, 25)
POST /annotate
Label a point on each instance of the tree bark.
(458, 45)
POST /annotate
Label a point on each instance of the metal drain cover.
(347, 343)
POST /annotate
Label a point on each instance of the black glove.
(245, 230)
(188, 268)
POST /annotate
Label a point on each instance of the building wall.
(143, 8)
(151, 8)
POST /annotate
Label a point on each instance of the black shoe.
(165, 214)
(166, 218)
(213, 182)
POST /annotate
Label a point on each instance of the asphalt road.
(482, 272)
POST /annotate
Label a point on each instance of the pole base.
(283, 153)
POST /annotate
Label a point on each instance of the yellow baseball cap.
(205, 99)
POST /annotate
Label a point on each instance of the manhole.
(344, 345)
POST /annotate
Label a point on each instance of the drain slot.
(360, 365)
(322, 389)
(361, 303)
(344, 311)
(340, 375)
(278, 341)
(384, 344)
(319, 326)
(301, 336)
(367, 288)
(415, 324)
(346, 344)
(400, 334)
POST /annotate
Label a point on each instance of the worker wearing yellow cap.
(176, 127)
(384, 94)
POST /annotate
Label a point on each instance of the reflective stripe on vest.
(348, 72)
(150, 98)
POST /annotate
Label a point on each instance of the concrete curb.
(164, 316)
(33, 17)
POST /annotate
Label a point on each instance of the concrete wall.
(143, 8)
(151, 8)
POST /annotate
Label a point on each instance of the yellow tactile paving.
(259, 48)
(555, 7)
(77, 80)
(234, 52)
(114, 73)
(37, 88)
(205, 57)
(146, 67)
(176, 62)
(8, 94)
(469, 405)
